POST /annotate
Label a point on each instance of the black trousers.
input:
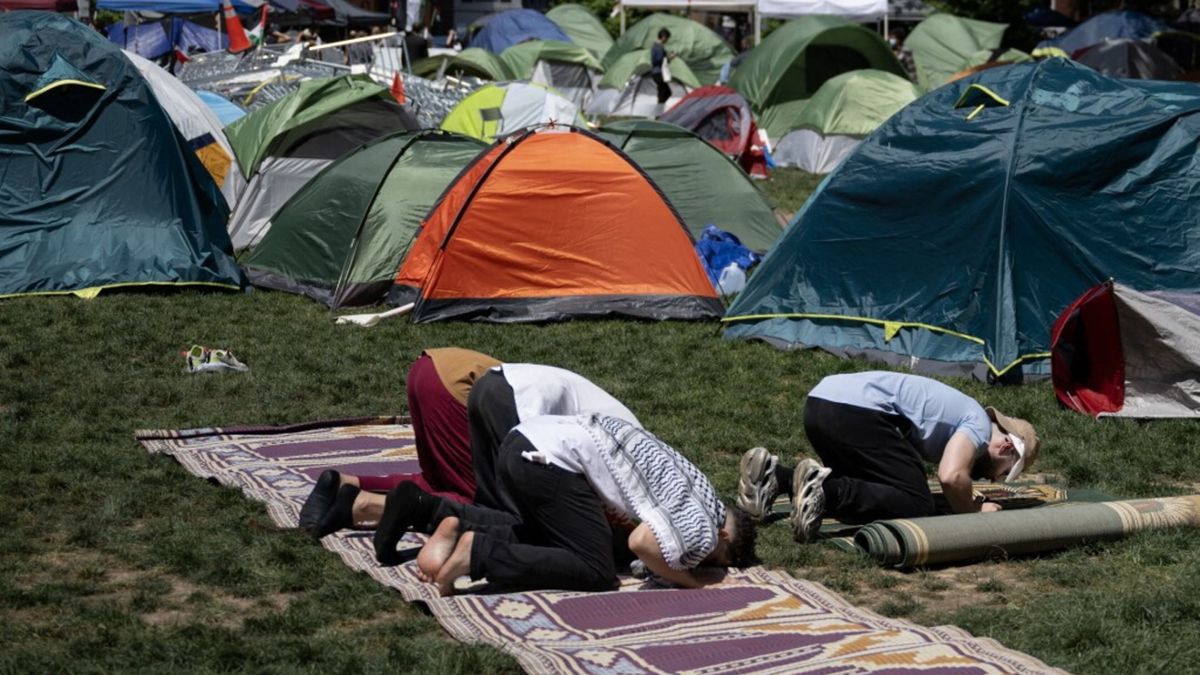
(558, 537)
(491, 414)
(664, 89)
(877, 471)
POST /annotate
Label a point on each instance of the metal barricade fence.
(270, 72)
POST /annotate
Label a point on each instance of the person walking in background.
(658, 62)
(875, 431)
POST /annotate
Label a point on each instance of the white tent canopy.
(853, 10)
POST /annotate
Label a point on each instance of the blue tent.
(154, 39)
(505, 29)
(226, 111)
(1106, 26)
(176, 6)
(951, 239)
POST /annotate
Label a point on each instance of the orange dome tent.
(552, 224)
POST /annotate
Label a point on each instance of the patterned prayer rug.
(766, 622)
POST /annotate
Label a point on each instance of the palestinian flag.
(257, 33)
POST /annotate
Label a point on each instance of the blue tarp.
(176, 6)
(226, 111)
(1106, 26)
(149, 40)
(152, 40)
(718, 248)
(505, 29)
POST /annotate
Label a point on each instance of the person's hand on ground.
(990, 507)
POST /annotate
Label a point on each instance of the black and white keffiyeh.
(662, 488)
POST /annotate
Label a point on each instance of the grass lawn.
(113, 559)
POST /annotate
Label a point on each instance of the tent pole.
(885, 24)
(757, 26)
(622, 9)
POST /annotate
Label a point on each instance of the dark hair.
(664, 34)
(744, 536)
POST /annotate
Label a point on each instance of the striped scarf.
(662, 488)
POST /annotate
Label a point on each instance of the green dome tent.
(703, 50)
(779, 75)
(842, 112)
(627, 90)
(685, 167)
(944, 44)
(341, 238)
(582, 27)
(99, 188)
(499, 109)
(953, 237)
(470, 62)
(985, 56)
(566, 68)
(285, 143)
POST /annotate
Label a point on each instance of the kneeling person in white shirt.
(577, 482)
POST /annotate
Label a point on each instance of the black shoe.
(320, 499)
(339, 516)
(405, 505)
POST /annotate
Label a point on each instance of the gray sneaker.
(808, 500)
(757, 484)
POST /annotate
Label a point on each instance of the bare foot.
(368, 509)
(457, 565)
(439, 547)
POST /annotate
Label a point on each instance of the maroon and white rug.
(763, 622)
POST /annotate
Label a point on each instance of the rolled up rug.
(947, 539)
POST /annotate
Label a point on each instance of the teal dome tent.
(952, 238)
(99, 189)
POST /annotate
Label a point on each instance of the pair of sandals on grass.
(758, 485)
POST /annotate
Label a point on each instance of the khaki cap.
(1027, 448)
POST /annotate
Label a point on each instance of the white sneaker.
(757, 484)
(808, 500)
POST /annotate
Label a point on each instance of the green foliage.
(116, 560)
(107, 17)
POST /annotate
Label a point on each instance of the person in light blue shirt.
(874, 432)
